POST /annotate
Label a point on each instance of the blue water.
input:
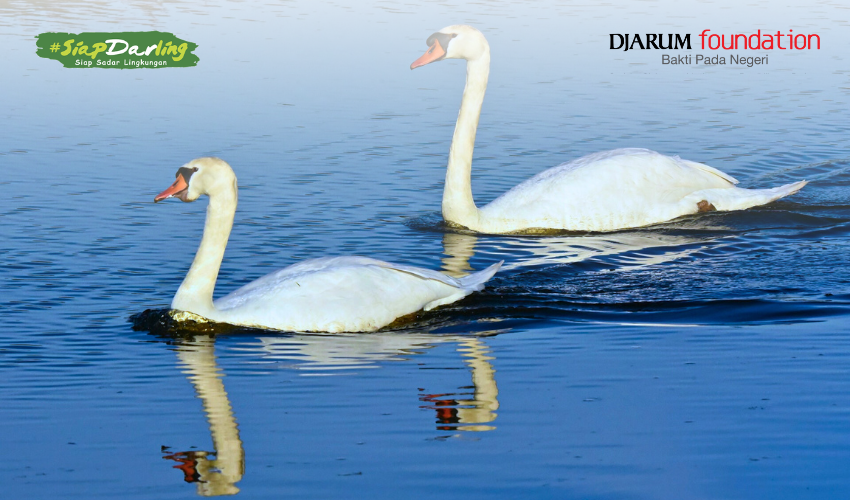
(705, 358)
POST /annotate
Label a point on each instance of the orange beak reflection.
(434, 53)
(175, 189)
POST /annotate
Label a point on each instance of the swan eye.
(443, 38)
(186, 173)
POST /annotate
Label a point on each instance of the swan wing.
(705, 168)
(337, 294)
(604, 191)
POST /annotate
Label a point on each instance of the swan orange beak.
(434, 53)
(175, 189)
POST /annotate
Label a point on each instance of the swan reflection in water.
(462, 411)
(623, 250)
(216, 472)
(469, 414)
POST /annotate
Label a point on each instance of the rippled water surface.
(705, 358)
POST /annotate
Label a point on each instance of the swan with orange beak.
(605, 191)
(329, 294)
(180, 186)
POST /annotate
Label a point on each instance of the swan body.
(605, 191)
(331, 294)
(343, 294)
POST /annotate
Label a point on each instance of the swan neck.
(196, 292)
(458, 204)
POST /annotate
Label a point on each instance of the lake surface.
(705, 358)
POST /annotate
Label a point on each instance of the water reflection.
(621, 249)
(454, 413)
(214, 473)
(458, 249)
(455, 410)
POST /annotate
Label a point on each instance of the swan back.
(602, 192)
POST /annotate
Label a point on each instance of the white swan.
(600, 192)
(331, 294)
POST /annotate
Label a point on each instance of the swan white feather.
(603, 191)
(342, 294)
(330, 294)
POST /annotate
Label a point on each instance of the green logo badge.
(129, 50)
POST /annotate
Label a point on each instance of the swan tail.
(739, 198)
(466, 285)
(475, 281)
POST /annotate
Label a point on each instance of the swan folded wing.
(605, 191)
(639, 171)
(338, 294)
(426, 274)
(610, 180)
(290, 275)
(341, 276)
(343, 294)
(631, 167)
(470, 283)
(705, 168)
(462, 286)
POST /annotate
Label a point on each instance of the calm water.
(708, 358)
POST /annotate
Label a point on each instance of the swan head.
(200, 176)
(458, 41)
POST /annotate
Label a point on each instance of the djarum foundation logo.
(763, 41)
(129, 50)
